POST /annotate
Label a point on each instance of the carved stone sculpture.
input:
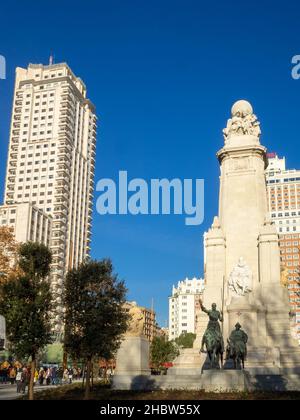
(242, 122)
(136, 322)
(240, 279)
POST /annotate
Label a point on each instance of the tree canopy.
(25, 302)
(8, 253)
(185, 340)
(95, 315)
(162, 351)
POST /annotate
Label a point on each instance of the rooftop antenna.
(51, 59)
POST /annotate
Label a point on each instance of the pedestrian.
(53, 376)
(24, 380)
(70, 375)
(66, 375)
(41, 376)
(60, 375)
(12, 375)
(36, 377)
(48, 376)
(19, 380)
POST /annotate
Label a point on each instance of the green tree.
(162, 351)
(25, 302)
(185, 340)
(95, 316)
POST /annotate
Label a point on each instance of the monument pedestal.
(215, 380)
(132, 364)
(189, 362)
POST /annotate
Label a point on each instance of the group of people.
(16, 373)
(56, 375)
(8, 373)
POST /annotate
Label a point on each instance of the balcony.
(62, 194)
(62, 134)
(58, 227)
(66, 159)
(61, 182)
(67, 112)
(63, 166)
(62, 174)
(64, 148)
(57, 245)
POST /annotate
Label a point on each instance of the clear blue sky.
(163, 76)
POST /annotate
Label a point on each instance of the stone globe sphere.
(242, 107)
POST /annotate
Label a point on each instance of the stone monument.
(242, 262)
(132, 361)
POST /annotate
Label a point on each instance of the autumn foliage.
(8, 254)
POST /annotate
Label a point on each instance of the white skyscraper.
(51, 162)
(183, 305)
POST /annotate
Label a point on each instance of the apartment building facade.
(50, 167)
(27, 222)
(283, 187)
(183, 306)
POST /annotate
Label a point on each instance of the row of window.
(287, 229)
(286, 214)
(276, 181)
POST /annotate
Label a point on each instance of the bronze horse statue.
(214, 349)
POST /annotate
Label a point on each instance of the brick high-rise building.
(283, 188)
(51, 161)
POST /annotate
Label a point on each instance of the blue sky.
(163, 76)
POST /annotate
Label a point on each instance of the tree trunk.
(83, 375)
(88, 380)
(92, 369)
(65, 360)
(31, 380)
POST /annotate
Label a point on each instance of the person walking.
(36, 376)
(70, 375)
(48, 376)
(24, 380)
(66, 375)
(60, 375)
(41, 376)
(19, 380)
(12, 375)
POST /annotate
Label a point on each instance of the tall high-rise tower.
(51, 162)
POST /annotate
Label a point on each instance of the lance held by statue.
(237, 346)
(212, 338)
